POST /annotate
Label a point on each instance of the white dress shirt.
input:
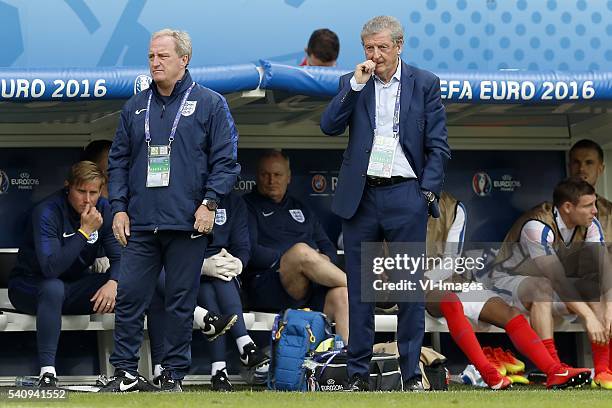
(385, 104)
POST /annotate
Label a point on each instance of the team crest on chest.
(189, 108)
(220, 216)
(297, 215)
(93, 238)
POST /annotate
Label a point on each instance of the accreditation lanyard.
(384, 146)
(158, 156)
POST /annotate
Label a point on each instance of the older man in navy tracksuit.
(292, 258)
(173, 158)
(393, 167)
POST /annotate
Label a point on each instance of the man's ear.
(566, 207)
(185, 60)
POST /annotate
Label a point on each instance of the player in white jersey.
(445, 237)
(541, 248)
(586, 160)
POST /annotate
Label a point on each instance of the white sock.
(217, 366)
(47, 369)
(157, 370)
(198, 315)
(243, 341)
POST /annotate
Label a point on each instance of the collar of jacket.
(267, 200)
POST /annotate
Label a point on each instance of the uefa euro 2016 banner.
(21, 85)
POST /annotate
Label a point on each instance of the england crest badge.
(297, 215)
(189, 108)
(93, 238)
(220, 216)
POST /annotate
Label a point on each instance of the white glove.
(232, 266)
(212, 267)
(100, 265)
(222, 266)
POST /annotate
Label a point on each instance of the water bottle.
(26, 381)
(471, 376)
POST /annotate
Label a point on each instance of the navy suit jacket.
(423, 135)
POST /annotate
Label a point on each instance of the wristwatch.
(210, 204)
(429, 196)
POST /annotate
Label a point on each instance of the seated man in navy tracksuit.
(219, 292)
(53, 275)
(292, 258)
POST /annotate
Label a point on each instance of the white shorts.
(471, 308)
(507, 288)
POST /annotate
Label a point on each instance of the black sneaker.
(220, 382)
(123, 381)
(252, 356)
(169, 384)
(47, 380)
(214, 325)
(357, 384)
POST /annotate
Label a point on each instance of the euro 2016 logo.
(4, 182)
(481, 184)
(318, 183)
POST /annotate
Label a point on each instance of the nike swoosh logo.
(565, 374)
(68, 235)
(126, 387)
(267, 214)
(139, 111)
(194, 236)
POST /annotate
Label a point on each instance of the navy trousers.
(215, 295)
(395, 213)
(141, 263)
(48, 299)
(222, 297)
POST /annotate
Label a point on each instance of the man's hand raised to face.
(91, 219)
(364, 71)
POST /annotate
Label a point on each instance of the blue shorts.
(265, 292)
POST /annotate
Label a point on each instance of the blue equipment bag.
(295, 335)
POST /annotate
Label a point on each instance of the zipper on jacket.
(155, 230)
(163, 110)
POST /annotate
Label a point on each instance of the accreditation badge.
(158, 166)
(382, 156)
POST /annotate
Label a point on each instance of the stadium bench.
(11, 321)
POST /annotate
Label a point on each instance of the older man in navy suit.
(390, 179)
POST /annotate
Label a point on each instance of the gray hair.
(181, 39)
(381, 23)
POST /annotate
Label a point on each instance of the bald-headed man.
(291, 264)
